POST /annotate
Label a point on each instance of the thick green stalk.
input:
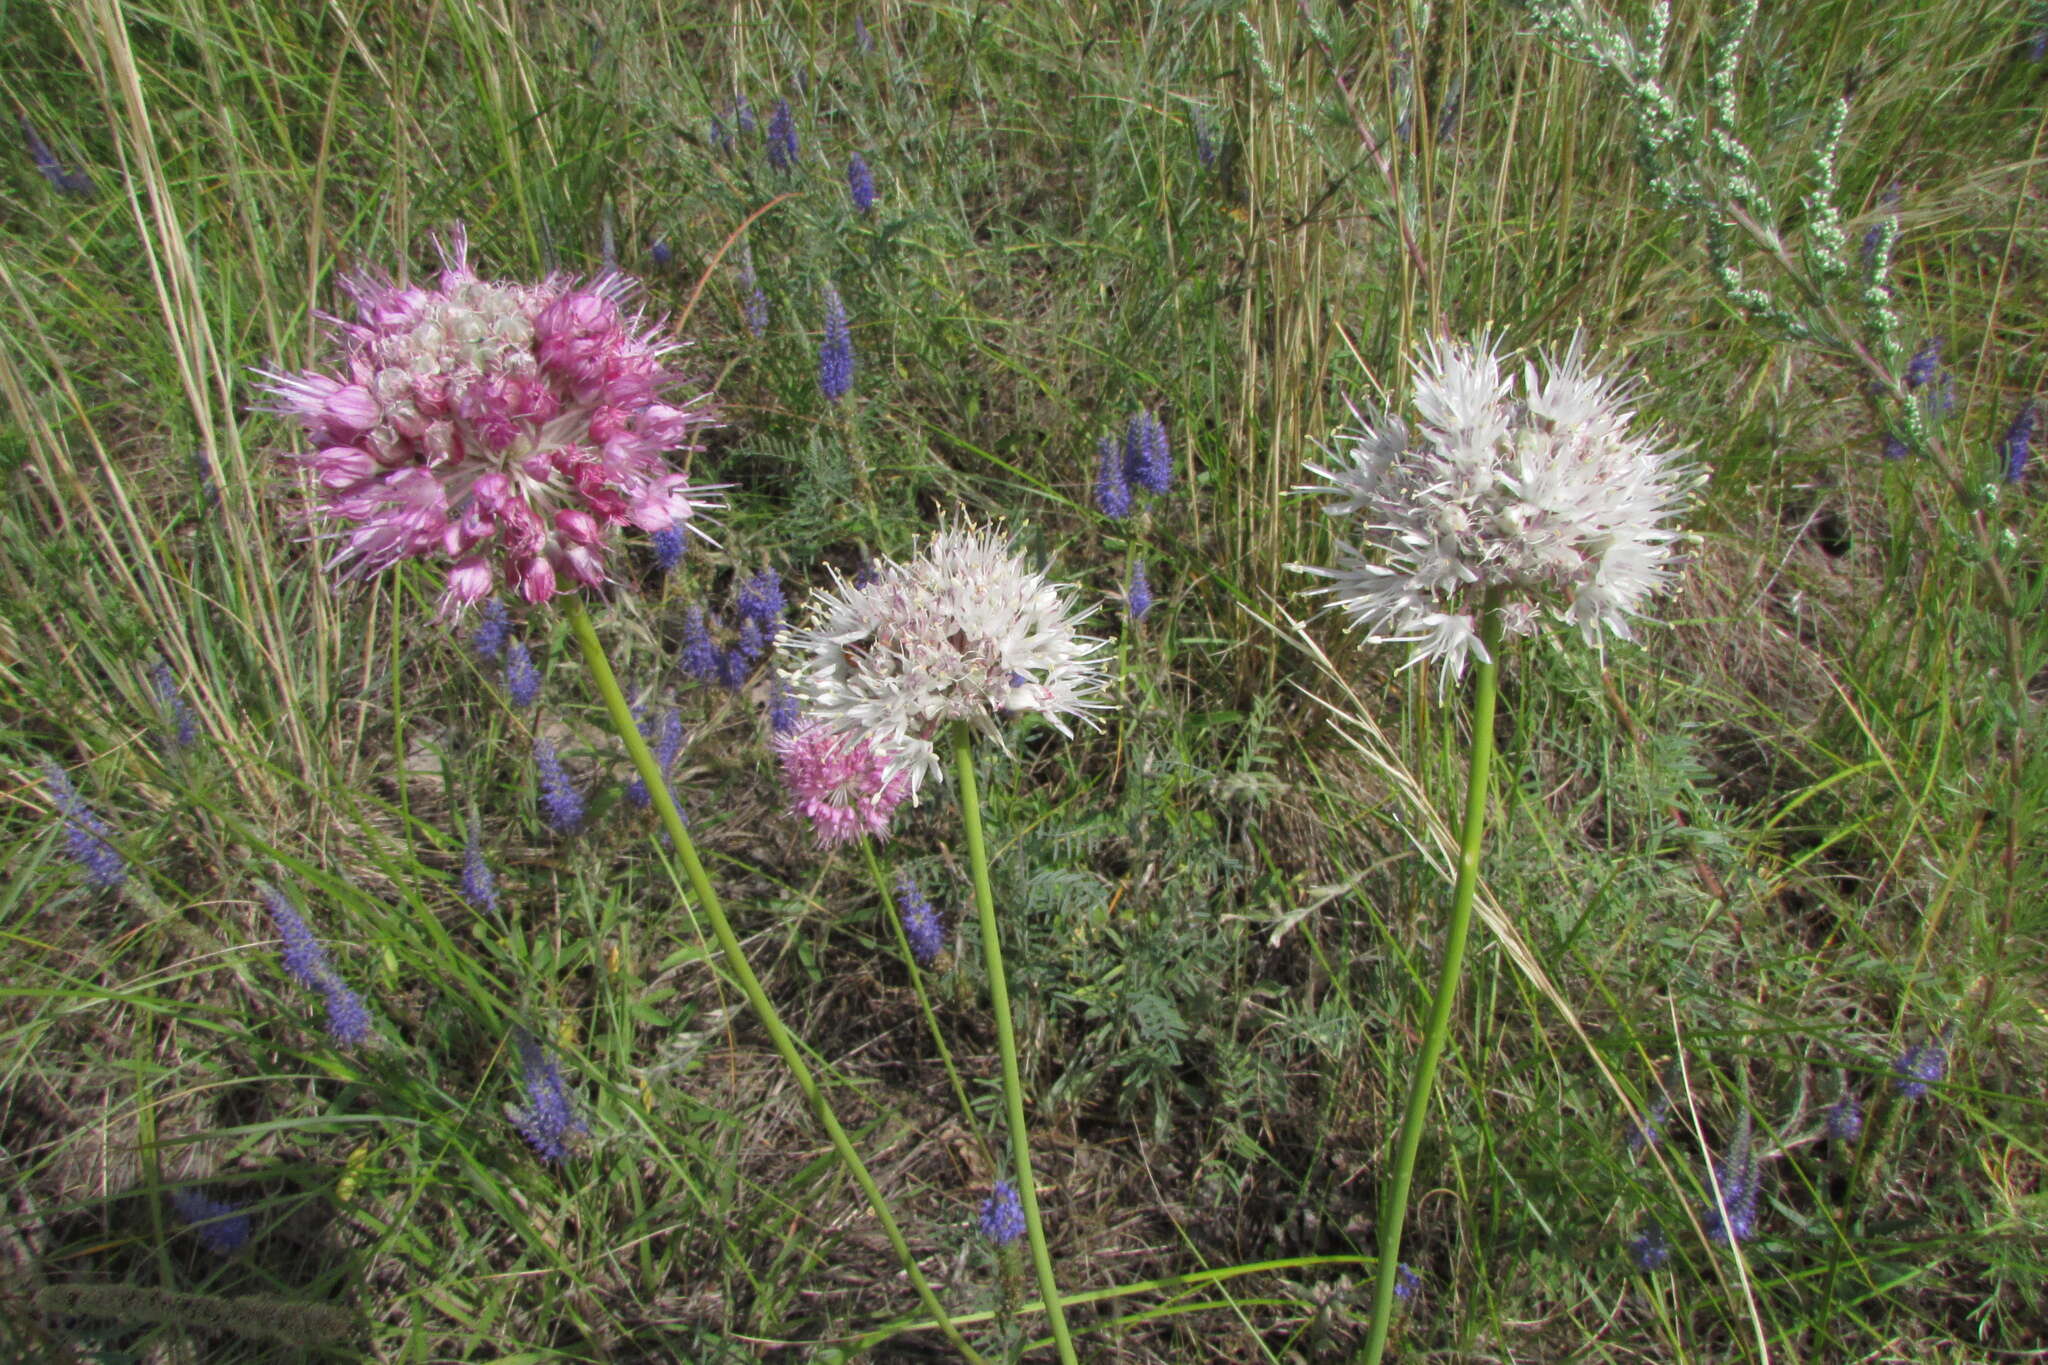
(736, 961)
(1394, 1208)
(1006, 1042)
(924, 1003)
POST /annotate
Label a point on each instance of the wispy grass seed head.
(1540, 494)
(964, 631)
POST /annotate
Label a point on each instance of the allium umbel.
(510, 428)
(1538, 495)
(842, 784)
(962, 632)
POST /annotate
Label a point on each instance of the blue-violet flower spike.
(782, 137)
(223, 1228)
(920, 923)
(835, 351)
(522, 679)
(560, 802)
(860, 184)
(88, 841)
(549, 1123)
(493, 629)
(1112, 491)
(2019, 441)
(479, 885)
(1002, 1215)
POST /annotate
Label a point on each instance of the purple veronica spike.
(700, 656)
(1406, 1283)
(1919, 1067)
(223, 1228)
(479, 886)
(668, 548)
(659, 253)
(860, 184)
(1002, 1214)
(784, 714)
(1649, 1250)
(561, 803)
(1138, 597)
(493, 629)
(665, 738)
(1148, 463)
(1205, 141)
(1895, 447)
(1112, 491)
(1889, 202)
(760, 600)
(549, 1123)
(1845, 1119)
(754, 307)
(348, 1021)
(1651, 1130)
(62, 180)
(303, 956)
(748, 643)
(743, 116)
(1920, 368)
(920, 923)
(782, 137)
(1735, 1178)
(835, 352)
(2019, 437)
(721, 140)
(181, 718)
(88, 841)
(305, 961)
(522, 679)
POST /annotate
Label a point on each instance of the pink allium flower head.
(840, 783)
(506, 428)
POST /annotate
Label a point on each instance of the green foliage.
(1752, 859)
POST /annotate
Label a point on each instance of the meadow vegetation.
(279, 1069)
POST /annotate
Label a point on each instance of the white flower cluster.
(962, 632)
(1542, 499)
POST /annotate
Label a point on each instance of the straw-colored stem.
(1006, 1042)
(736, 961)
(1421, 1085)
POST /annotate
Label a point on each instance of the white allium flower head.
(964, 631)
(1541, 496)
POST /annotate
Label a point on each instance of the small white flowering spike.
(1542, 498)
(964, 631)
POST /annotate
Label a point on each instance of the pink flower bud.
(469, 581)
(537, 580)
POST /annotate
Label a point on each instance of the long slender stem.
(924, 1002)
(736, 961)
(1420, 1086)
(1006, 1042)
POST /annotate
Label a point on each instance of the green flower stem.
(867, 847)
(736, 960)
(1006, 1041)
(1420, 1086)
